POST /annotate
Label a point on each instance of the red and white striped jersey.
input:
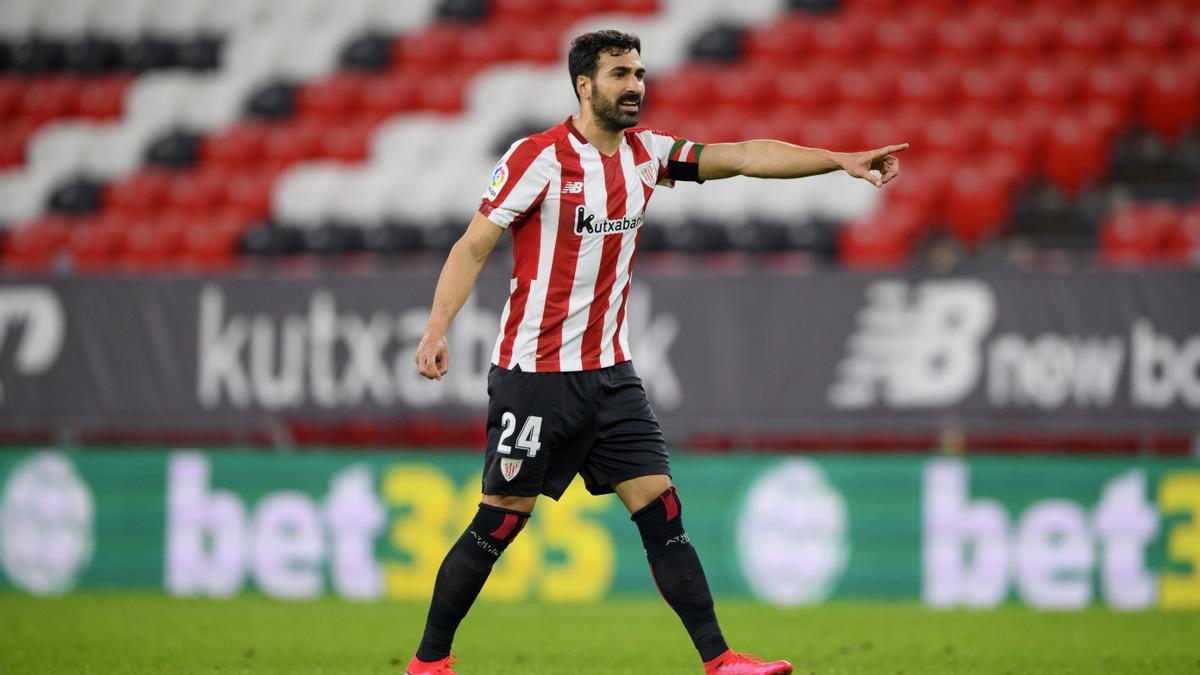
(576, 217)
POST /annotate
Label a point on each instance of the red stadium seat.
(14, 138)
(1082, 35)
(286, 144)
(331, 99)
(858, 88)
(634, 6)
(904, 39)
(750, 88)
(479, 45)
(139, 195)
(977, 205)
(428, 51)
(540, 43)
(1183, 239)
(1172, 101)
(880, 241)
(1076, 154)
(1006, 137)
(848, 122)
(236, 148)
(577, 9)
(922, 189)
(944, 136)
(386, 96)
(924, 86)
(198, 192)
(687, 87)
(151, 248)
(1190, 35)
(444, 93)
(103, 97)
(35, 245)
(1112, 85)
(1046, 85)
(962, 38)
(839, 40)
(522, 10)
(1020, 37)
(210, 247)
(816, 132)
(11, 91)
(1149, 35)
(1105, 119)
(779, 43)
(249, 195)
(348, 142)
(1137, 235)
(808, 89)
(94, 248)
(50, 97)
(993, 87)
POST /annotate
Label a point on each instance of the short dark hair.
(586, 49)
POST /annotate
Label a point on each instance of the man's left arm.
(776, 159)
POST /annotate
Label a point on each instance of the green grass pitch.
(145, 633)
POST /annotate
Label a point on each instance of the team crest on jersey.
(510, 467)
(648, 171)
(499, 178)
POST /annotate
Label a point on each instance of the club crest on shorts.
(648, 171)
(510, 467)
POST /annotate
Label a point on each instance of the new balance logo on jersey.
(586, 223)
(916, 346)
(572, 187)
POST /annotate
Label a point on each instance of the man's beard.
(608, 113)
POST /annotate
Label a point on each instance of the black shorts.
(543, 428)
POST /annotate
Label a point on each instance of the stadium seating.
(160, 134)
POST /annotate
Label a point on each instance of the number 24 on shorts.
(529, 438)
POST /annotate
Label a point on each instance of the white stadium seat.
(175, 18)
(58, 148)
(156, 99)
(223, 16)
(362, 196)
(216, 102)
(64, 19)
(17, 18)
(401, 17)
(24, 194)
(115, 151)
(306, 52)
(303, 196)
(123, 19)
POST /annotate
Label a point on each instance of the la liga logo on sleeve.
(499, 178)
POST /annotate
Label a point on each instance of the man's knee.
(636, 493)
(522, 504)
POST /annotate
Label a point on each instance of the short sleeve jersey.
(576, 217)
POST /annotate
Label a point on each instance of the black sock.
(677, 572)
(462, 574)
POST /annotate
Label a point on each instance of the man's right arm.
(454, 285)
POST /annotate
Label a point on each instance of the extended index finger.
(891, 149)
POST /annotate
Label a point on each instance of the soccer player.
(564, 396)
